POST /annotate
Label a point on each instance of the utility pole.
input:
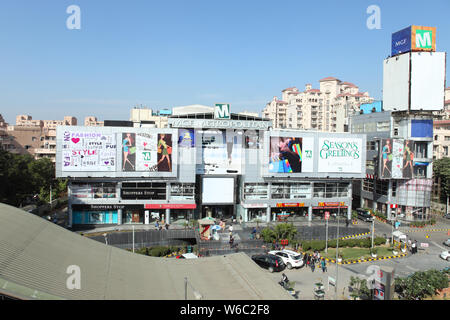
(373, 230)
(50, 194)
(326, 237)
(185, 288)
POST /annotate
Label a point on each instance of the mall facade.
(206, 165)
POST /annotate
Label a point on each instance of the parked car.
(290, 258)
(269, 261)
(447, 242)
(445, 255)
(364, 215)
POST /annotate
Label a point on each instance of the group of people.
(160, 226)
(312, 259)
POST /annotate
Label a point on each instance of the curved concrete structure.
(35, 255)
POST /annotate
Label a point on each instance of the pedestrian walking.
(413, 247)
(313, 264)
(231, 241)
(323, 264)
(347, 222)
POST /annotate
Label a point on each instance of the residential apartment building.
(441, 132)
(149, 118)
(325, 109)
(35, 137)
(93, 122)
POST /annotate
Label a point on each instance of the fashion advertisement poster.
(186, 138)
(408, 158)
(164, 152)
(285, 154)
(128, 151)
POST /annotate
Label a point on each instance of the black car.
(364, 215)
(270, 262)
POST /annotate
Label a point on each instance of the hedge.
(319, 245)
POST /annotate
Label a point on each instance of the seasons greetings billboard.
(120, 151)
(340, 155)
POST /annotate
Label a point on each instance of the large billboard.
(88, 151)
(414, 81)
(427, 80)
(117, 151)
(340, 155)
(291, 154)
(397, 159)
(221, 151)
(396, 83)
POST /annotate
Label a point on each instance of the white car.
(445, 255)
(290, 258)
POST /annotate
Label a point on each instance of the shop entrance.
(290, 214)
(222, 212)
(319, 214)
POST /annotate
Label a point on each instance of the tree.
(360, 289)
(441, 170)
(421, 284)
(281, 231)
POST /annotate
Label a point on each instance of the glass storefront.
(254, 214)
(95, 217)
(290, 214)
(178, 216)
(319, 213)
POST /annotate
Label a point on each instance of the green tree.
(421, 284)
(441, 170)
(360, 289)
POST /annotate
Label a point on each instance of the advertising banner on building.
(291, 154)
(396, 159)
(221, 151)
(88, 151)
(146, 152)
(414, 38)
(186, 138)
(340, 155)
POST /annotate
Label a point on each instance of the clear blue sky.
(170, 53)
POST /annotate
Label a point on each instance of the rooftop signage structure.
(414, 38)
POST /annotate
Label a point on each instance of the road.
(425, 259)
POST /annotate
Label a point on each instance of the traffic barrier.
(428, 230)
(355, 235)
(366, 260)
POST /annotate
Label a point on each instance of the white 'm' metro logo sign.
(222, 111)
(423, 39)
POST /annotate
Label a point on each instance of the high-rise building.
(325, 109)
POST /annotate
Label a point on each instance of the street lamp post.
(133, 239)
(373, 230)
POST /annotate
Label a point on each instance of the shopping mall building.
(215, 164)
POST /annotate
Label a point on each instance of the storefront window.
(255, 214)
(99, 190)
(331, 190)
(254, 191)
(143, 191)
(368, 185)
(133, 216)
(94, 217)
(382, 187)
(182, 191)
(179, 216)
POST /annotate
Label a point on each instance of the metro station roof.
(35, 255)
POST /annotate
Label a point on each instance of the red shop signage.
(331, 204)
(170, 206)
(286, 205)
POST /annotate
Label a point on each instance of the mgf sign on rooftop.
(222, 111)
(414, 38)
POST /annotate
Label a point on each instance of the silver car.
(447, 242)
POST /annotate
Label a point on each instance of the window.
(370, 127)
(368, 185)
(394, 188)
(420, 149)
(331, 190)
(300, 191)
(370, 165)
(143, 191)
(253, 191)
(371, 145)
(383, 126)
(94, 190)
(280, 191)
(447, 138)
(445, 151)
(420, 171)
(381, 187)
(182, 191)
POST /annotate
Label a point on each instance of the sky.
(162, 54)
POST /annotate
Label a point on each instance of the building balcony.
(44, 151)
